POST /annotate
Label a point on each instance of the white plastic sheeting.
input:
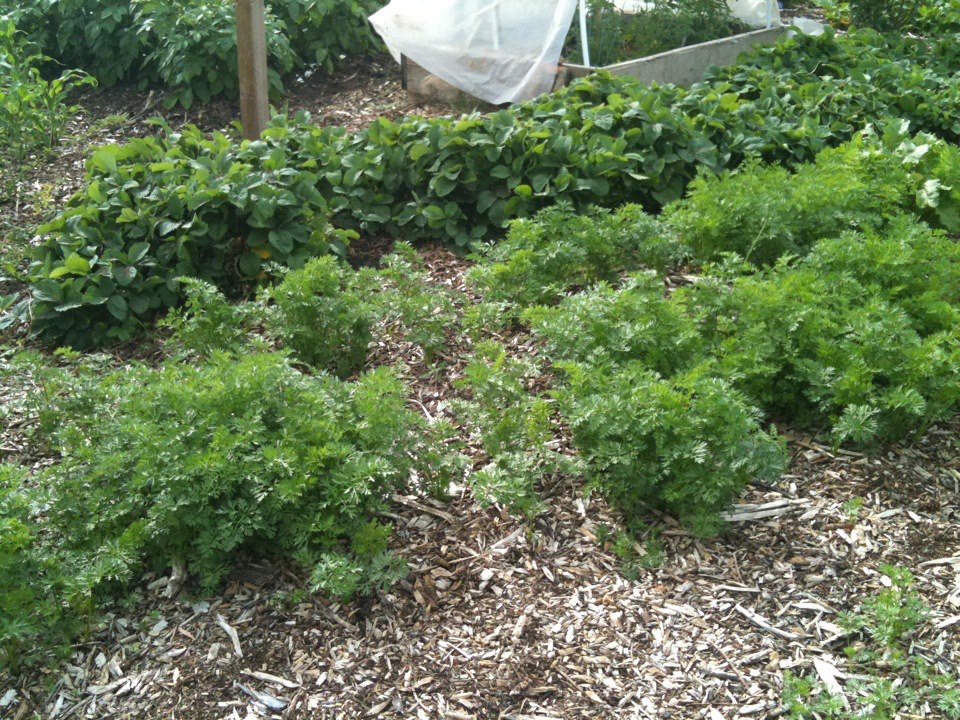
(501, 51)
(756, 13)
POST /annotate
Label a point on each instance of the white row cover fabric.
(501, 51)
(756, 13)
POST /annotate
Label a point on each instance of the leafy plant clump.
(198, 464)
(885, 15)
(686, 444)
(191, 48)
(157, 209)
(321, 319)
(764, 212)
(614, 35)
(514, 426)
(34, 110)
(889, 674)
(833, 342)
(324, 314)
(608, 326)
(190, 45)
(558, 250)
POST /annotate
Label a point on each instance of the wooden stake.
(252, 56)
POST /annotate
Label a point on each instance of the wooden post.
(252, 55)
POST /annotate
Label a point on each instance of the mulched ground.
(500, 617)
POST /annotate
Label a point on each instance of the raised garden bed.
(685, 65)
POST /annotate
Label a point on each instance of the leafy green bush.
(765, 212)
(839, 343)
(189, 45)
(909, 265)
(324, 31)
(197, 464)
(885, 15)
(687, 444)
(33, 110)
(100, 37)
(607, 326)
(558, 250)
(615, 36)
(156, 209)
(194, 48)
(321, 318)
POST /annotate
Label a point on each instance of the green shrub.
(189, 45)
(157, 209)
(839, 344)
(324, 31)
(885, 15)
(323, 321)
(34, 111)
(765, 212)
(558, 250)
(194, 49)
(909, 265)
(101, 37)
(194, 464)
(200, 463)
(687, 444)
(607, 326)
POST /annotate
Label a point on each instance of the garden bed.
(685, 65)
(504, 618)
(602, 467)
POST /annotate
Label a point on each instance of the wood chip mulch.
(501, 618)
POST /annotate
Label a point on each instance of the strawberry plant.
(157, 209)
